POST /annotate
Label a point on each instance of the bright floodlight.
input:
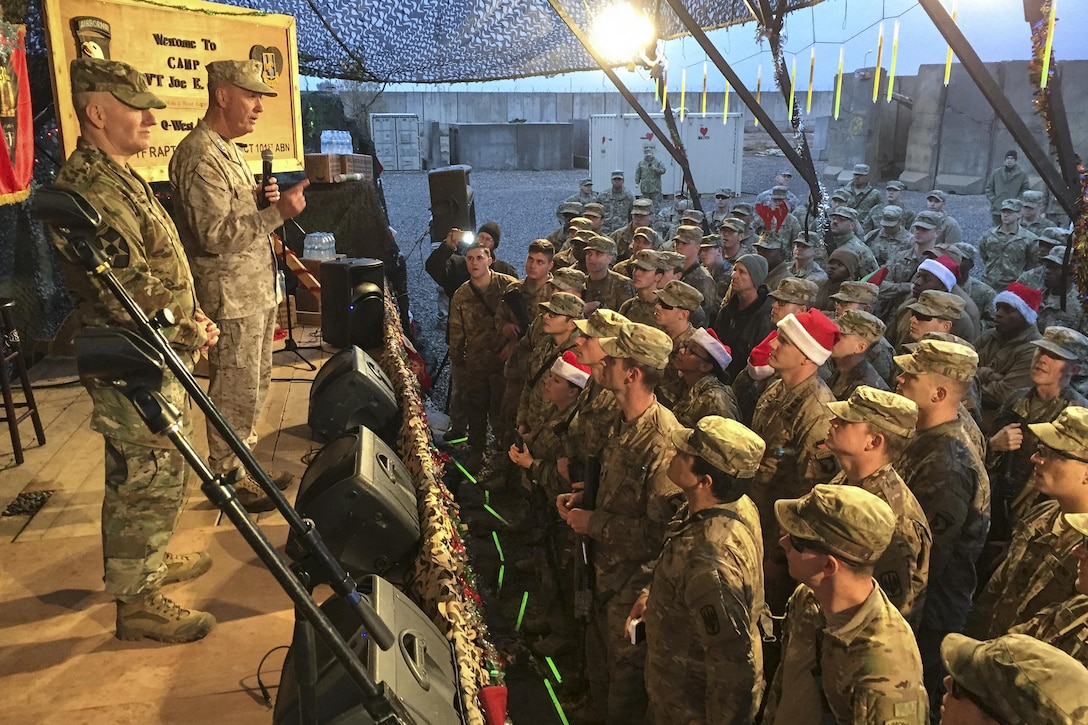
(620, 33)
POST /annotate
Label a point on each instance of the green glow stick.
(555, 701)
(521, 612)
(455, 441)
(498, 546)
(495, 513)
(555, 670)
(502, 575)
(465, 473)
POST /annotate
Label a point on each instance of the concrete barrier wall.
(512, 146)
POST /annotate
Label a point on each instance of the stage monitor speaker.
(452, 201)
(352, 303)
(362, 500)
(351, 390)
(419, 668)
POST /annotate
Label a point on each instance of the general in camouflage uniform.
(903, 569)
(145, 474)
(704, 654)
(859, 666)
(227, 239)
(648, 175)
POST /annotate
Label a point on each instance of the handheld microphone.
(266, 174)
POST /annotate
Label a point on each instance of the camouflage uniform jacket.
(1011, 358)
(789, 230)
(881, 357)
(611, 291)
(1039, 570)
(597, 414)
(776, 275)
(905, 221)
(852, 243)
(533, 407)
(1064, 626)
(942, 469)
(1032, 278)
(902, 267)
(671, 388)
(1051, 313)
(722, 274)
(548, 443)
(810, 271)
(697, 276)
(1005, 256)
(1036, 227)
(558, 236)
(648, 176)
(709, 396)
(617, 209)
(634, 501)
(885, 246)
(518, 362)
(983, 295)
(862, 671)
(225, 235)
(149, 262)
(640, 310)
(950, 231)
(622, 237)
(865, 200)
(474, 341)
(583, 198)
(843, 384)
(1004, 184)
(704, 655)
(903, 569)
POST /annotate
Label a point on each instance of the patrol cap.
(586, 182)
(122, 81)
(861, 169)
(865, 325)
(667, 260)
(927, 220)
(603, 244)
(1068, 432)
(711, 241)
(733, 224)
(580, 237)
(593, 209)
(887, 411)
(617, 174)
(688, 234)
(581, 223)
(1011, 205)
(644, 344)
(723, 193)
(642, 205)
(680, 294)
(645, 259)
(647, 148)
(779, 192)
(787, 172)
(891, 215)
(934, 303)
(896, 184)
(1056, 255)
(1058, 234)
(649, 234)
(937, 357)
(841, 195)
(847, 521)
(945, 336)
(772, 240)
(1031, 198)
(937, 194)
(724, 443)
(568, 278)
(1066, 343)
(693, 216)
(573, 208)
(847, 212)
(1021, 679)
(602, 323)
(246, 74)
(564, 303)
(860, 292)
(796, 290)
(743, 208)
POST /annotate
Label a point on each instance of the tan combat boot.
(183, 567)
(252, 496)
(156, 617)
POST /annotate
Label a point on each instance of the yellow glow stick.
(1049, 43)
(811, 80)
(683, 90)
(948, 58)
(876, 70)
(838, 83)
(891, 66)
(704, 89)
(759, 88)
(725, 106)
(793, 87)
(664, 85)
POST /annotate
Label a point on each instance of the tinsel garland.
(1044, 108)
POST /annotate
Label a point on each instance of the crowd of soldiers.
(738, 520)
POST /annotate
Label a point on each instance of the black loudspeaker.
(452, 201)
(351, 390)
(362, 501)
(419, 667)
(352, 302)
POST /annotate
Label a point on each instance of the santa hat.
(568, 368)
(758, 369)
(1023, 299)
(944, 269)
(708, 340)
(813, 334)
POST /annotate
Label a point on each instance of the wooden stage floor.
(59, 660)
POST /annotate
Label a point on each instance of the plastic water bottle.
(327, 142)
(311, 246)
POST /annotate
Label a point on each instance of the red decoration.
(17, 137)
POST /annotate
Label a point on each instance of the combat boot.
(156, 617)
(252, 496)
(281, 479)
(183, 567)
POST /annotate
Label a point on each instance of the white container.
(396, 140)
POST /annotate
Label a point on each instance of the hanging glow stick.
(793, 87)
(759, 88)
(876, 70)
(1049, 43)
(811, 80)
(725, 106)
(838, 83)
(683, 91)
(664, 84)
(704, 89)
(948, 58)
(891, 66)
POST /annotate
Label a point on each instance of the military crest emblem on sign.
(271, 60)
(92, 37)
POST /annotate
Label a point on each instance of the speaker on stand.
(352, 302)
(452, 201)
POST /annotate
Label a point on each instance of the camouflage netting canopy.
(433, 41)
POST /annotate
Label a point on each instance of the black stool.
(11, 351)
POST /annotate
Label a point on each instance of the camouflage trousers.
(481, 394)
(615, 667)
(144, 490)
(239, 370)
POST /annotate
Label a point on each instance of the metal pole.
(1065, 195)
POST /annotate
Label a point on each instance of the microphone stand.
(289, 344)
(80, 224)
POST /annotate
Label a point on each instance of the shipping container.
(396, 140)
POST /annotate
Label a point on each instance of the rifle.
(544, 518)
(583, 596)
(516, 303)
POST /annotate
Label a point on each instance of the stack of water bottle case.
(337, 163)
